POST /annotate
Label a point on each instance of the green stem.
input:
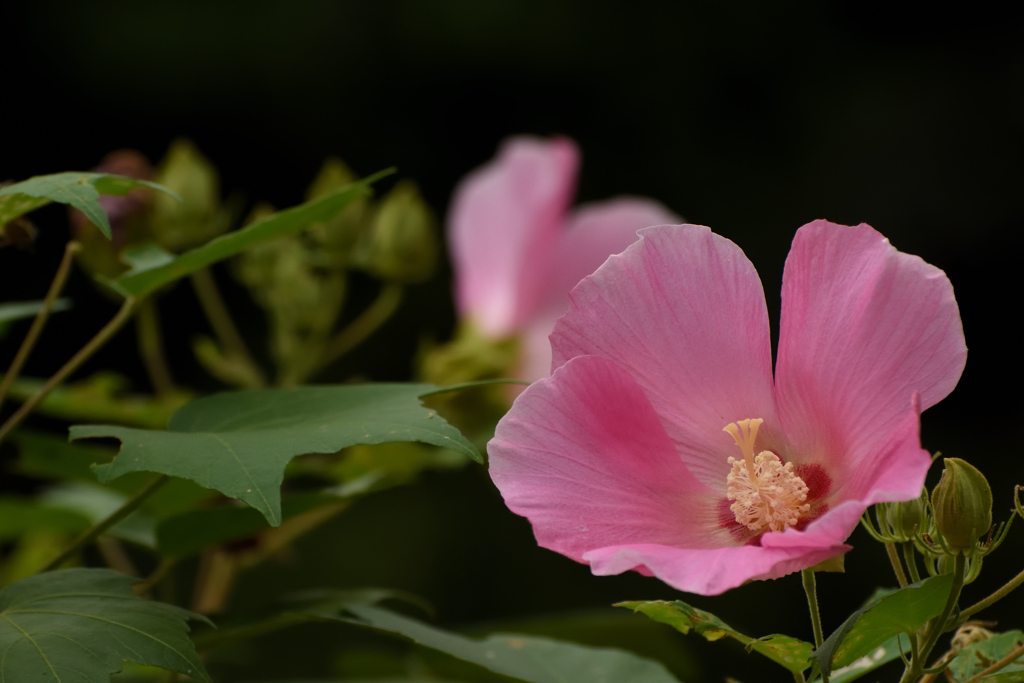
(812, 602)
(116, 516)
(1010, 585)
(938, 625)
(220, 638)
(127, 308)
(894, 558)
(908, 555)
(29, 342)
(217, 314)
(151, 347)
(159, 574)
(365, 324)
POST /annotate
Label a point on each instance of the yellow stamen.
(768, 494)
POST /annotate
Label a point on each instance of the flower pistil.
(767, 494)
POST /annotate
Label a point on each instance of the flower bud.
(906, 518)
(963, 505)
(337, 235)
(401, 242)
(181, 225)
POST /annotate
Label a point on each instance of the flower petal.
(682, 311)
(594, 232)
(504, 221)
(709, 571)
(583, 456)
(863, 328)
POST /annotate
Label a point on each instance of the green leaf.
(19, 516)
(975, 658)
(903, 611)
(80, 190)
(885, 653)
(239, 442)
(151, 271)
(527, 658)
(16, 310)
(78, 625)
(793, 654)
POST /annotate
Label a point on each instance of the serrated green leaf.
(145, 278)
(791, 653)
(79, 190)
(903, 611)
(78, 625)
(239, 442)
(975, 658)
(527, 658)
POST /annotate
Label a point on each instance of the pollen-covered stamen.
(767, 494)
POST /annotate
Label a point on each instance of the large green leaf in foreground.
(80, 190)
(153, 268)
(790, 652)
(78, 625)
(239, 442)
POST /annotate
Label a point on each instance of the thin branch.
(812, 602)
(127, 308)
(1005, 661)
(1012, 584)
(220, 320)
(894, 558)
(151, 347)
(29, 342)
(116, 516)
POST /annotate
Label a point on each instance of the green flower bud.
(963, 505)
(181, 225)
(336, 236)
(906, 518)
(401, 242)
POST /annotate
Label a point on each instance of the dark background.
(753, 118)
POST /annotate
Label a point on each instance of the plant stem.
(937, 625)
(1005, 661)
(894, 558)
(812, 602)
(116, 516)
(995, 597)
(365, 324)
(127, 308)
(908, 555)
(217, 314)
(25, 349)
(151, 347)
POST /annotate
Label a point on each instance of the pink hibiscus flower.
(517, 251)
(661, 442)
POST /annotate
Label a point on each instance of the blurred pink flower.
(516, 249)
(620, 461)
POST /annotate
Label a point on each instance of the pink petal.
(709, 571)
(683, 312)
(583, 456)
(864, 327)
(594, 232)
(503, 225)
